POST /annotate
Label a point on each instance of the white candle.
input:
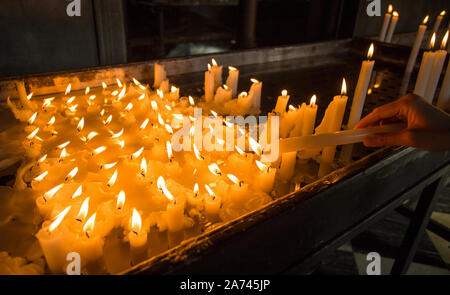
(331, 122)
(90, 247)
(255, 94)
(265, 178)
(223, 94)
(209, 85)
(212, 204)
(238, 191)
(387, 18)
(160, 75)
(436, 70)
(359, 100)
(438, 21)
(282, 102)
(175, 208)
(195, 200)
(287, 165)
(416, 47)
(233, 80)
(392, 27)
(217, 71)
(425, 69)
(444, 95)
(138, 239)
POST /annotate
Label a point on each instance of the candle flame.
(291, 107)
(99, 150)
(312, 102)
(114, 93)
(444, 40)
(254, 80)
(160, 119)
(284, 92)
(154, 105)
(162, 187)
(71, 174)
(144, 124)
(169, 150)
(108, 166)
(243, 93)
(32, 119)
(214, 168)
(29, 96)
(370, 52)
(210, 192)
(69, 87)
(129, 107)
(143, 166)
(225, 87)
(42, 159)
(136, 154)
(344, 87)
(196, 190)
(232, 68)
(390, 8)
(262, 166)
(209, 67)
(83, 210)
(91, 135)
(120, 142)
(80, 125)
(197, 153)
(432, 41)
(255, 146)
(118, 134)
(73, 108)
(168, 107)
(425, 20)
(168, 128)
(119, 83)
(443, 12)
(49, 194)
(234, 179)
(89, 225)
(173, 89)
(59, 219)
(141, 97)
(104, 85)
(120, 200)
(241, 152)
(113, 179)
(63, 145)
(78, 192)
(213, 61)
(136, 82)
(136, 221)
(51, 121)
(191, 100)
(70, 100)
(122, 93)
(33, 134)
(40, 177)
(142, 87)
(62, 155)
(395, 13)
(87, 90)
(108, 120)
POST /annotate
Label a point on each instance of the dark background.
(39, 36)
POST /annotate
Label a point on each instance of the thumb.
(403, 137)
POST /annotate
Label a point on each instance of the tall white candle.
(359, 100)
(392, 27)
(387, 19)
(436, 70)
(138, 239)
(438, 21)
(209, 84)
(255, 94)
(444, 96)
(233, 80)
(222, 94)
(416, 47)
(425, 69)
(217, 71)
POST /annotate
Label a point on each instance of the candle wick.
(135, 232)
(78, 219)
(45, 200)
(87, 234)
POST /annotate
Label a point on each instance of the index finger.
(380, 113)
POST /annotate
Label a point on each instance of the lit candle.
(387, 19)
(138, 239)
(308, 121)
(209, 84)
(416, 47)
(25, 99)
(233, 80)
(438, 21)
(175, 209)
(212, 204)
(255, 95)
(392, 27)
(265, 178)
(90, 247)
(217, 72)
(238, 192)
(282, 102)
(223, 94)
(359, 99)
(425, 69)
(331, 122)
(195, 200)
(54, 242)
(436, 70)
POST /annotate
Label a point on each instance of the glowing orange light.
(113, 179)
(58, 220)
(51, 121)
(312, 102)
(169, 150)
(33, 134)
(214, 168)
(433, 40)
(370, 52)
(119, 83)
(40, 177)
(232, 68)
(395, 13)
(262, 166)
(129, 107)
(136, 221)
(191, 100)
(161, 184)
(118, 134)
(210, 192)
(255, 146)
(120, 200)
(214, 63)
(69, 87)
(89, 225)
(99, 150)
(78, 192)
(344, 87)
(83, 210)
(71, 174)
(425, 20)
(80, 125)
(144, 124)
(87, 90)
(197, 153)
(32, 119)
(49, 194)
(284, 92)
(444, 40)
(390, 8)
(136, 154)
(196, 190)
(254, 80)
(143, 167)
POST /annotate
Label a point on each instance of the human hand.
(428, 128)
